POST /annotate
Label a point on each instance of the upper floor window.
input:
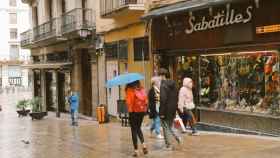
(13, 18)
(13, 33)
(63, 6)
(35, 16)
(141, 49)
(14, 52)
(13, 3)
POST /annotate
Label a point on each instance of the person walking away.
(136, 101)
(154, 98)
(186, 104)
(74, 105)
(168, 106)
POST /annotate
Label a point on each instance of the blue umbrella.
(124, 79)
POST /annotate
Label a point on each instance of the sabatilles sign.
(225, 17)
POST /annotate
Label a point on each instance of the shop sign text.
(222, 18)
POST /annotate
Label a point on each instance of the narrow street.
(54, 138)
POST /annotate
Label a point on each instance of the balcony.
(26, 39)
(77, 21)
(112, 8)
(45, 31)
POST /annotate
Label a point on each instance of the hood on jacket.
(188, 83)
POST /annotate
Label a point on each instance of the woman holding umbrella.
(136, 101)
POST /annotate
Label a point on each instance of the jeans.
(168, 131)
(135, 120)
(74, 117)
(156, 125)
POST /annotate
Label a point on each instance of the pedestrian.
(186, 104)
(74, 106)
(154, 104)
(168, 106)
(136, 101)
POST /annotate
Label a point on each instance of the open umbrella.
(124, 79)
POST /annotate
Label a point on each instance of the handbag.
(189, 106)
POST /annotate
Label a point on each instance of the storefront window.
(247, 81)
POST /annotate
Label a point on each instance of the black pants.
(135, 120)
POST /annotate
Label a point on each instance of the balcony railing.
(77, 19)
(15, 81)
(109, 6)
(26, 38)
(46, 30)
(74, 20)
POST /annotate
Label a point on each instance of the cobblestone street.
(54, 138)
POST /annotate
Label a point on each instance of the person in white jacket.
(186, 104)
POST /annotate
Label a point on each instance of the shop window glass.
(141, 48)
(247, 82)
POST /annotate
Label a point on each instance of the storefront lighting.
(211, 11)
(257, 2)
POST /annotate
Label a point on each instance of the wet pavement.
(54, 138)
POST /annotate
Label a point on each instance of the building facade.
(125, 43)
(231, 51)
(15, 17)
(61, 45)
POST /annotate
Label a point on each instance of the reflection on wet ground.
(54, 138)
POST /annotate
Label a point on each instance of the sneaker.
(159, 136)
(135, 153)
(145, 150)
(179, 140)
(195, 134)
(168, 148)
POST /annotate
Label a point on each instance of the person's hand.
(162, 116)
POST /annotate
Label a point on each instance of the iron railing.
(26, 38)
(109, 6)
(15, 81)
(77, 19)
(46, 30)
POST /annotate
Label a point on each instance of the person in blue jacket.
(74, 106)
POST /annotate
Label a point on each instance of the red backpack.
(141, 101)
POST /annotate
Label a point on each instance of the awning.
(184, 6)
(47, 65)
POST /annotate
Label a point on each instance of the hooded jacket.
(168, 99)
(186, 95)
(74, 101)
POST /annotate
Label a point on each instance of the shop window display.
(188, 67)
(247, 81)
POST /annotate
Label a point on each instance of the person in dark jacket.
(154, 103)
(168, 106)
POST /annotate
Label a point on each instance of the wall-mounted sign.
(268, 29)
(224, 17)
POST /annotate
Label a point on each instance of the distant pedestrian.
(154, 104)
(136, 101)
(168, 106)
(74, 106)
(186, 104)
